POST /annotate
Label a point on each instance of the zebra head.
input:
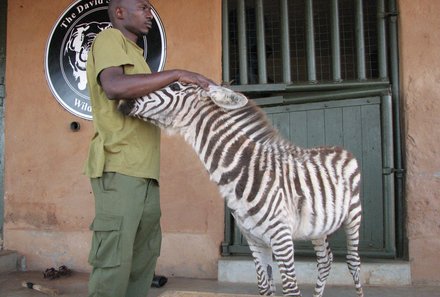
(167, 107)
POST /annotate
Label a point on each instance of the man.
(123, 160)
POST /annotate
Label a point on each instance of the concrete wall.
(48, 201)
(420, 78)
(193, 212)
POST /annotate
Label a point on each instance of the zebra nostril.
(125, 106)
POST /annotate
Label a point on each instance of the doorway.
(324, 72)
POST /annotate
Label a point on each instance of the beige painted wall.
(48, 202)
(420, 77)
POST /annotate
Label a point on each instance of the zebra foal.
(277, 192)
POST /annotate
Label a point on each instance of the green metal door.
(3, 11)
(358, 125)
(354, 124)
(320, 70)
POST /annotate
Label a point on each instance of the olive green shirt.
(120, 144)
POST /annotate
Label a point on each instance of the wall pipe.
(399, 148)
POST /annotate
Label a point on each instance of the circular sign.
(68, 46)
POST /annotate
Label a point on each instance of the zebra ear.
(226, 98)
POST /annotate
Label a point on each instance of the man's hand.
(189, 77)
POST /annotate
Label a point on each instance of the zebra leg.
(324, 258)
(353, 260)
(263, 265)
(284, 255)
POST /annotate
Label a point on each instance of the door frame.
(386, 84)
(3, 17)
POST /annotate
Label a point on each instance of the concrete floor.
(76, 286)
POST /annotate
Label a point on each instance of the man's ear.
(226, 98)
(119, 13)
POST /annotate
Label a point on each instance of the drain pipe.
(399, 147)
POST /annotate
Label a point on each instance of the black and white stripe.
(277, 192)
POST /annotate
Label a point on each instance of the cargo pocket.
(106, 246)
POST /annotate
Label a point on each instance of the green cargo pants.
(126, 235)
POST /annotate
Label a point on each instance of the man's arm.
(118, 85)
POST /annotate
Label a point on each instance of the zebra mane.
(271, 134)
(251, 114)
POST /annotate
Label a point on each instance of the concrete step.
(201, 294)
(8, 261)
(378, 272)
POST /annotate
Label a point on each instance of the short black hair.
(111, 9)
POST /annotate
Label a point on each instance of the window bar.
(310, 41)
(381, 35)
(242, 47)
(225, 42)
(336, 47)
(360, 43)
(261, 44)
(285, 41)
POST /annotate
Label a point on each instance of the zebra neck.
(221, 140)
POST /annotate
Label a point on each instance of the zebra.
(277, 192)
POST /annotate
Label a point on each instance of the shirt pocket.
(106, 242)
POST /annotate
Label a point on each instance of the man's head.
(132, 17)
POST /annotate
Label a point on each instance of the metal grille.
(323, 41)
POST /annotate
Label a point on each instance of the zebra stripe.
(278, 192)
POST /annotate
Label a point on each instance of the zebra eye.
(175, 87)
